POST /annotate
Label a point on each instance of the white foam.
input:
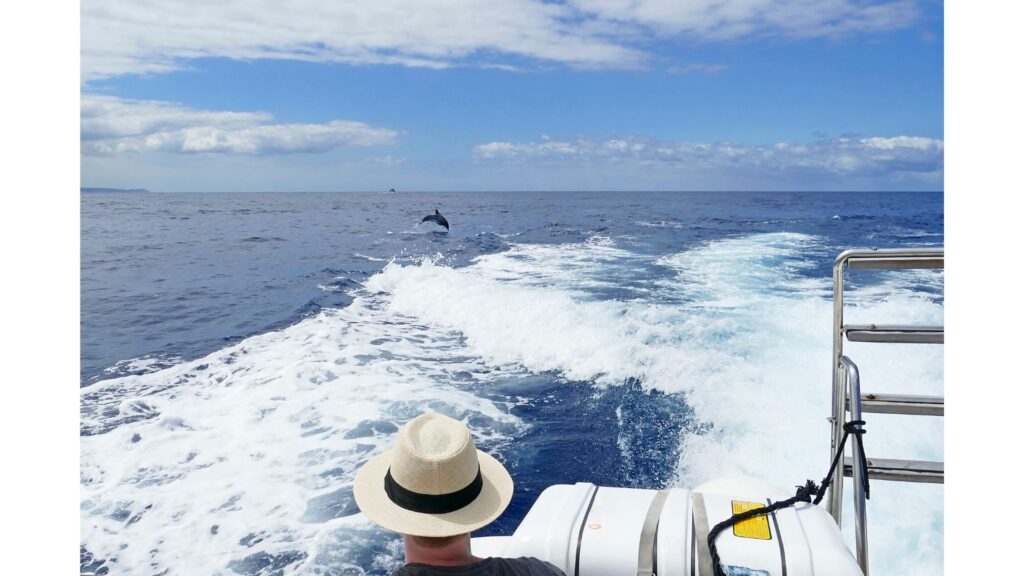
(660, 224)
(262, 438)
(142, 364)
(750, 348)
(769, 402)
(369, 258)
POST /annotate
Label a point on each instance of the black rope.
(803, 493)
(851, 427)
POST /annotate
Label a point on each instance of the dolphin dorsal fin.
(436, 212)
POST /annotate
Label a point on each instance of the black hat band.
(432, 503)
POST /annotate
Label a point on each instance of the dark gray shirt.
(485, 567)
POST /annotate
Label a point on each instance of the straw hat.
(434, 482)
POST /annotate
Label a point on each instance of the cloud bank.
(731, 19)
(857, 157)
(150, 36)
(112, 126)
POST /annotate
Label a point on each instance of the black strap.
(851, 427)
(432, 503)
(803, 493)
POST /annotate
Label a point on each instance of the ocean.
(243, 354)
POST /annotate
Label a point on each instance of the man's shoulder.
(533, 565)
(523, 566)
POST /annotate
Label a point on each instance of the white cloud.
(112, 126)
(728, 19)
(623, 163)
(155, 36)
(696, 68)
(141, 36)
(845, 156)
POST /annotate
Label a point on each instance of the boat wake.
(665, 369)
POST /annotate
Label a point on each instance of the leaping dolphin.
(436, 217)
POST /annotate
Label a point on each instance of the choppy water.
(243, 354)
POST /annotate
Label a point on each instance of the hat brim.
(494, 497)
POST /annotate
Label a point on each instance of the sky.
(271, 95)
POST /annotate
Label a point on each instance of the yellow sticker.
(756, 527)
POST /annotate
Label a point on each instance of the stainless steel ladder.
(846, 391)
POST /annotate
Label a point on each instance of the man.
(435, 488)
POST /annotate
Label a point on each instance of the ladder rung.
(900, 470)
(904, 334)
(902, 404)
(895, 262)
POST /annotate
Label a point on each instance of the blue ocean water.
(243, 354)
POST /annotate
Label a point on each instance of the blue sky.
(486, 95)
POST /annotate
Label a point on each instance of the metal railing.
(851, 378)
(846, 385)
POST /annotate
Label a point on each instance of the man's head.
(434, 483)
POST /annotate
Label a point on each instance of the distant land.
(122, 190)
